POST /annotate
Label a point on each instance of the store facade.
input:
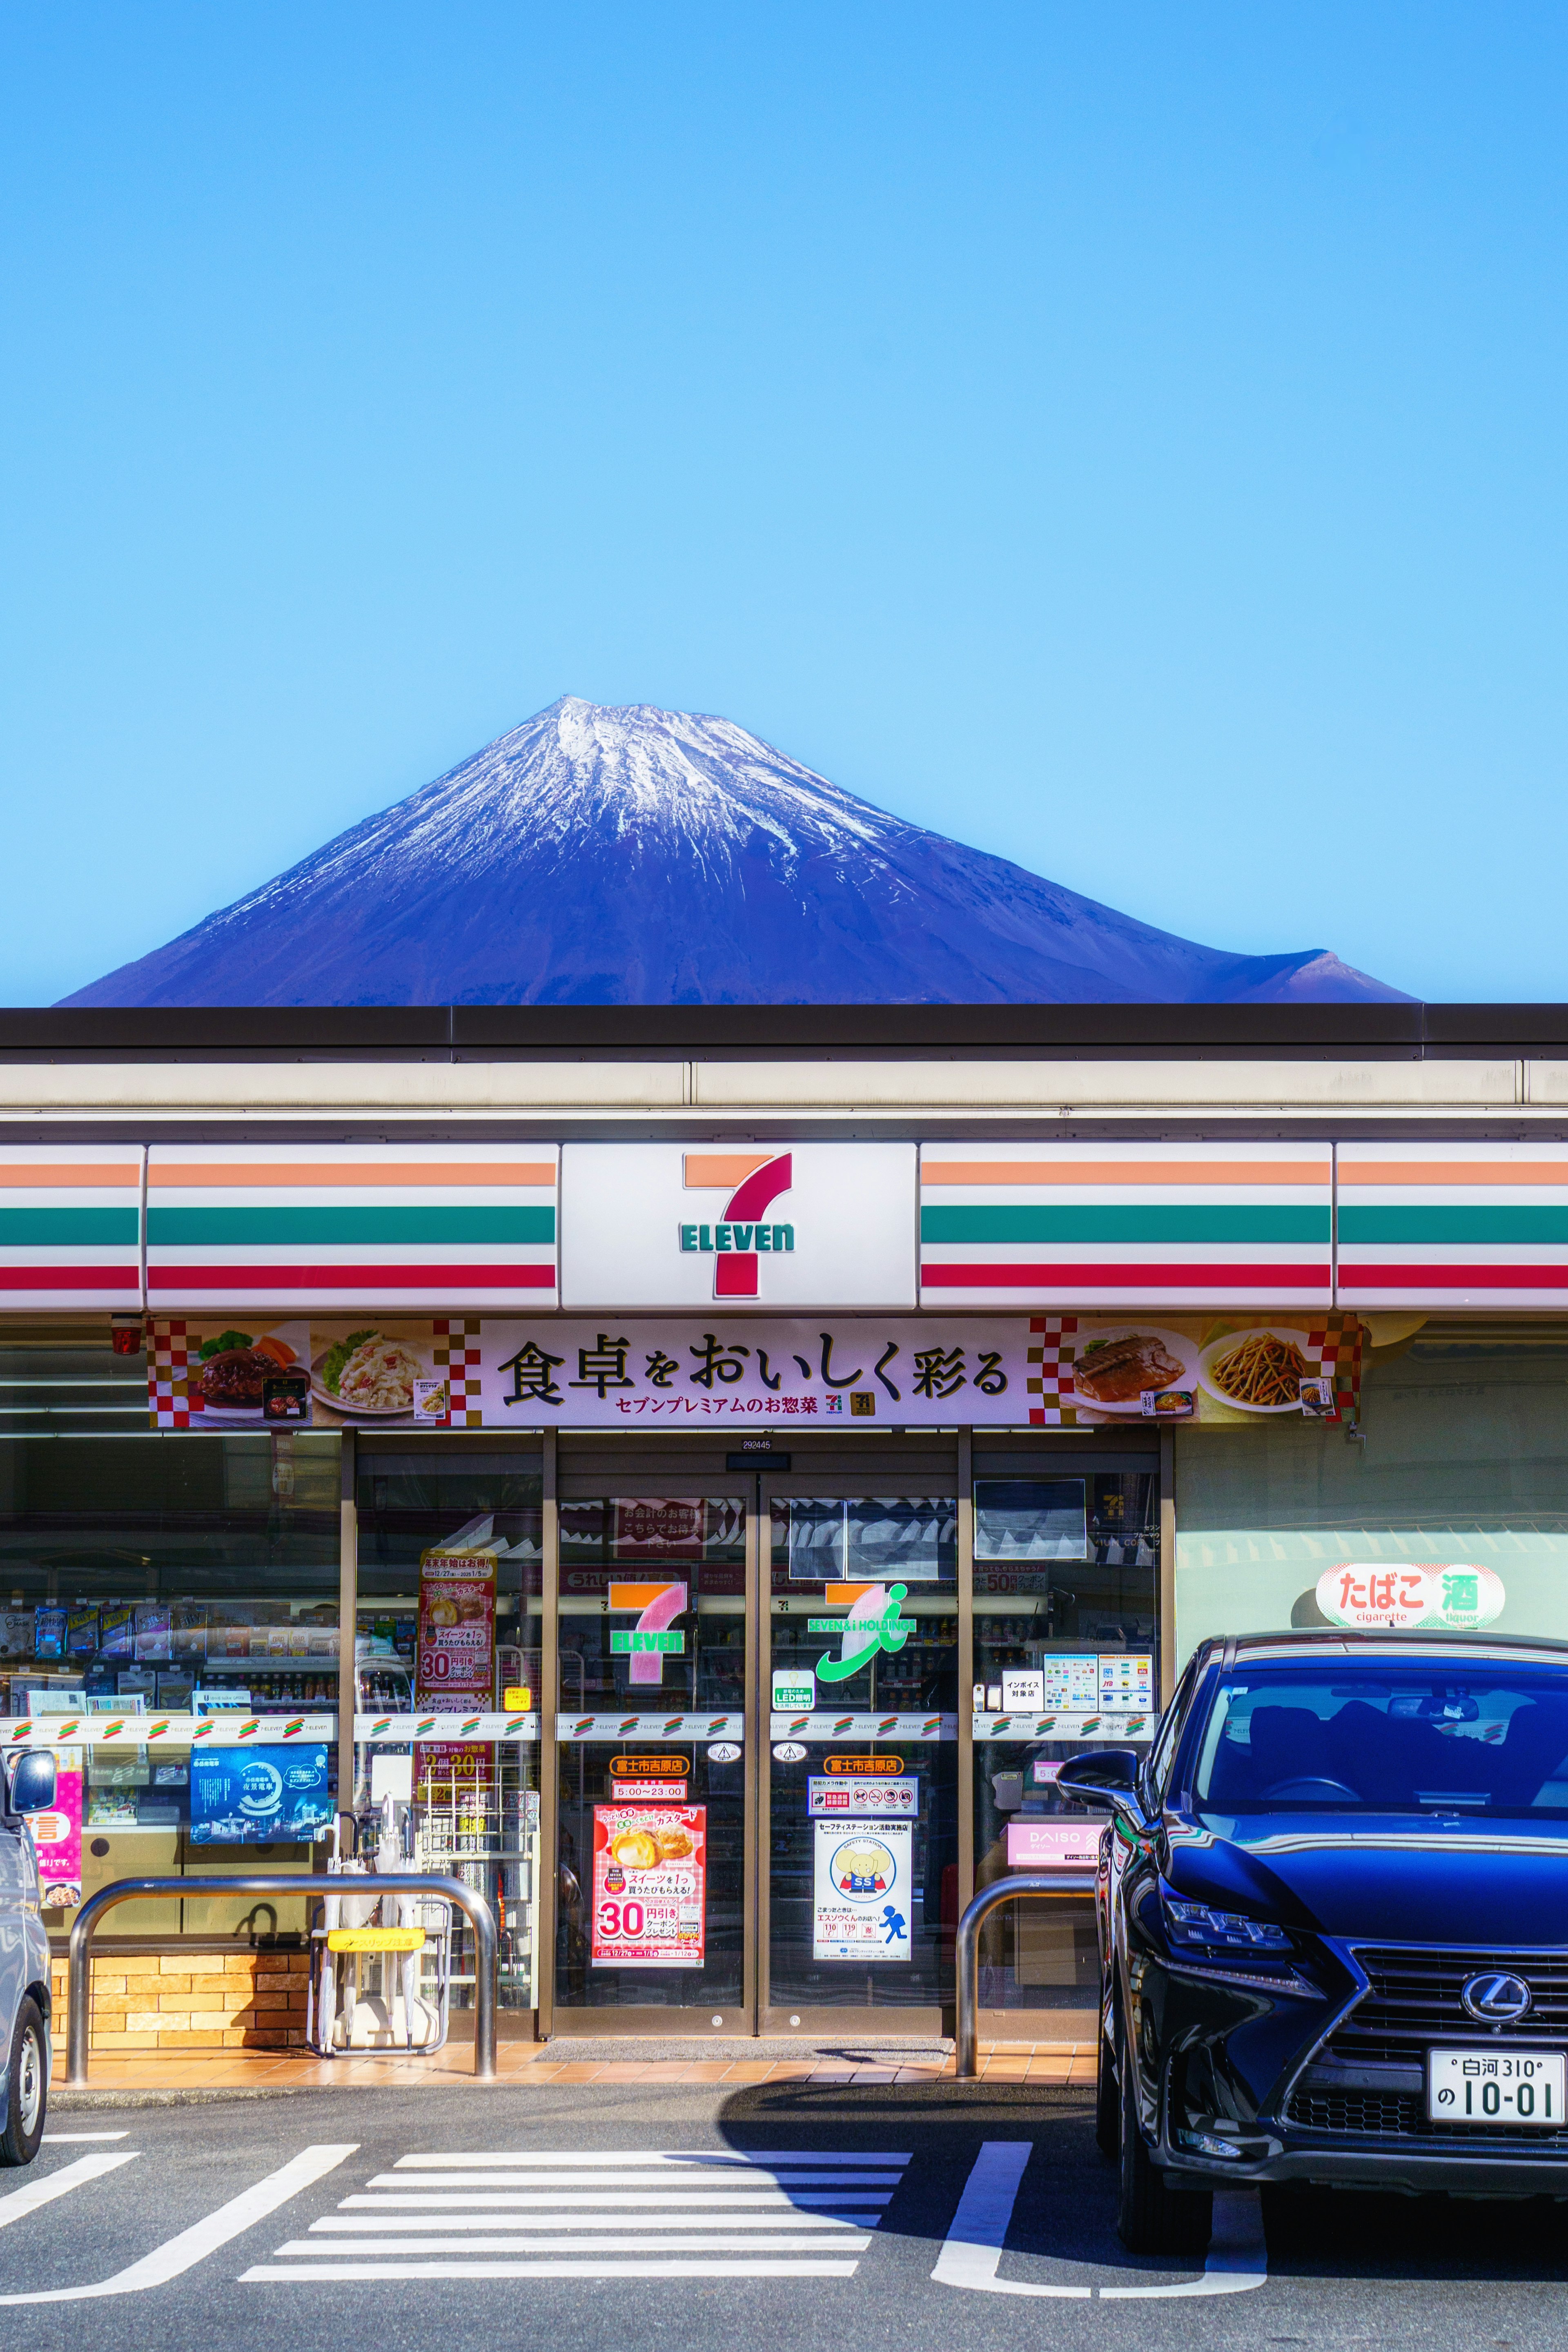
(749, 1461)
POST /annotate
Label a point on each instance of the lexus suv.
(1333, 1927)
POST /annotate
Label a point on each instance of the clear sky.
(1129, 438)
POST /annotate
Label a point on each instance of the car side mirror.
(1106, 1778)
(32, 1782)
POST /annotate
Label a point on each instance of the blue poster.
(254, 1796)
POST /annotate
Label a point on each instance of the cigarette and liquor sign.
(1375, 1596)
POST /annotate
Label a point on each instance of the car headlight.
(1199, 1927)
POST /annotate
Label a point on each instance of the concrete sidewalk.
(544, 2061)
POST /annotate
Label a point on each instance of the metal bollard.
(472, 1905)
(1021, 1886)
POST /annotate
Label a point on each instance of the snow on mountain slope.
(644, 857)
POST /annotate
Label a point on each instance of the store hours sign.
(812, 1371)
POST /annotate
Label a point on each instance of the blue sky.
(1129, 439)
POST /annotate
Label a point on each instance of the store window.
(450, 1566)
(863, 1674)
(1066, 1648)
(176, 1578)
(652, 1793)
(1455, 1484)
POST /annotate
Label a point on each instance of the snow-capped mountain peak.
(644, 857)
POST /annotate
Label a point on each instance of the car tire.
(27, 2085)
(1107, 2102)
(1154, 2219)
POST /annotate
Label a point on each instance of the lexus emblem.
(1496, 2000)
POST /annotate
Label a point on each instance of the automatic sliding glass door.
(860, 1898)
(651, 1881)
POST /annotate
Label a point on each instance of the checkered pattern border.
(1053, 1343)
(170, 1404)
(1335, 1347)
(457, 1353)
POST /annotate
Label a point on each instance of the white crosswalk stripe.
(558, 2213)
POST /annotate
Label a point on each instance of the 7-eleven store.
(752, 1448)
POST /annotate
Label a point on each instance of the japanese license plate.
(1496, 2087)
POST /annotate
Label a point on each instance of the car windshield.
(1468, 1738)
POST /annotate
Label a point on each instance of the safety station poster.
(864, 1871)
(650, 1886)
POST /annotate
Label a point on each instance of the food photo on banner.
(259, 1795)
(1221, 1369)
(250, 1372)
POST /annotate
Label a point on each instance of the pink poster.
(57, 1836)
(650, 1873)
(456, 1658)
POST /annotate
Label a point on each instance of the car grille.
(1411, 2004)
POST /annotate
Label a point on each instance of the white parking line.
(77, 2139)
(972, 2250)
(18, 2203)
(978, 2231)
(1237, 2255)
(180, 2253)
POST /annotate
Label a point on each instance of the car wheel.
(1106, 2101)
(26, 2088)
(1154, 2219)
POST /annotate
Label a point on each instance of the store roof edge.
(1392, 1031)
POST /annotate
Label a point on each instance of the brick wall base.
(192, 2001)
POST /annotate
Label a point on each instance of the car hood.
(1391, 1878)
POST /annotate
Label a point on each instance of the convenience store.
(754, 1448)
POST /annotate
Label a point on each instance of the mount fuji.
(644, 857)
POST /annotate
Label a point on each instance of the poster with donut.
(650, 1886)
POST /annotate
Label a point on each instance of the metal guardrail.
(1022, 1887)
(467, 1899)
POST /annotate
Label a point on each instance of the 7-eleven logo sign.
(655, 1637)
(742, 1235)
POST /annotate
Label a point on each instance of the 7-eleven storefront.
(735, 1541)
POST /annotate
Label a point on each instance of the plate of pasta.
(1259, 1371)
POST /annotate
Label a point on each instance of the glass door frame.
(843, 1482)
(579, 1479)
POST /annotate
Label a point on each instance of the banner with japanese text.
(806, 1372)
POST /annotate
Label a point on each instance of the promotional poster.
(650, 1886)
(257, 1796)
(454, 1665)
(57, 1835)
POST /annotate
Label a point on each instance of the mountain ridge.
(598, 855)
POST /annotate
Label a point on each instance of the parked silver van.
(28, 1781)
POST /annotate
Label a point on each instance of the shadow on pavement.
(1065, 2213)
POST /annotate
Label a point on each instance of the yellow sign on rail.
(375, 1940)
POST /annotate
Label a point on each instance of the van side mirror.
(32, 1782)
(1106, 1778)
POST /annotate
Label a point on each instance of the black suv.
(1333, 1927)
